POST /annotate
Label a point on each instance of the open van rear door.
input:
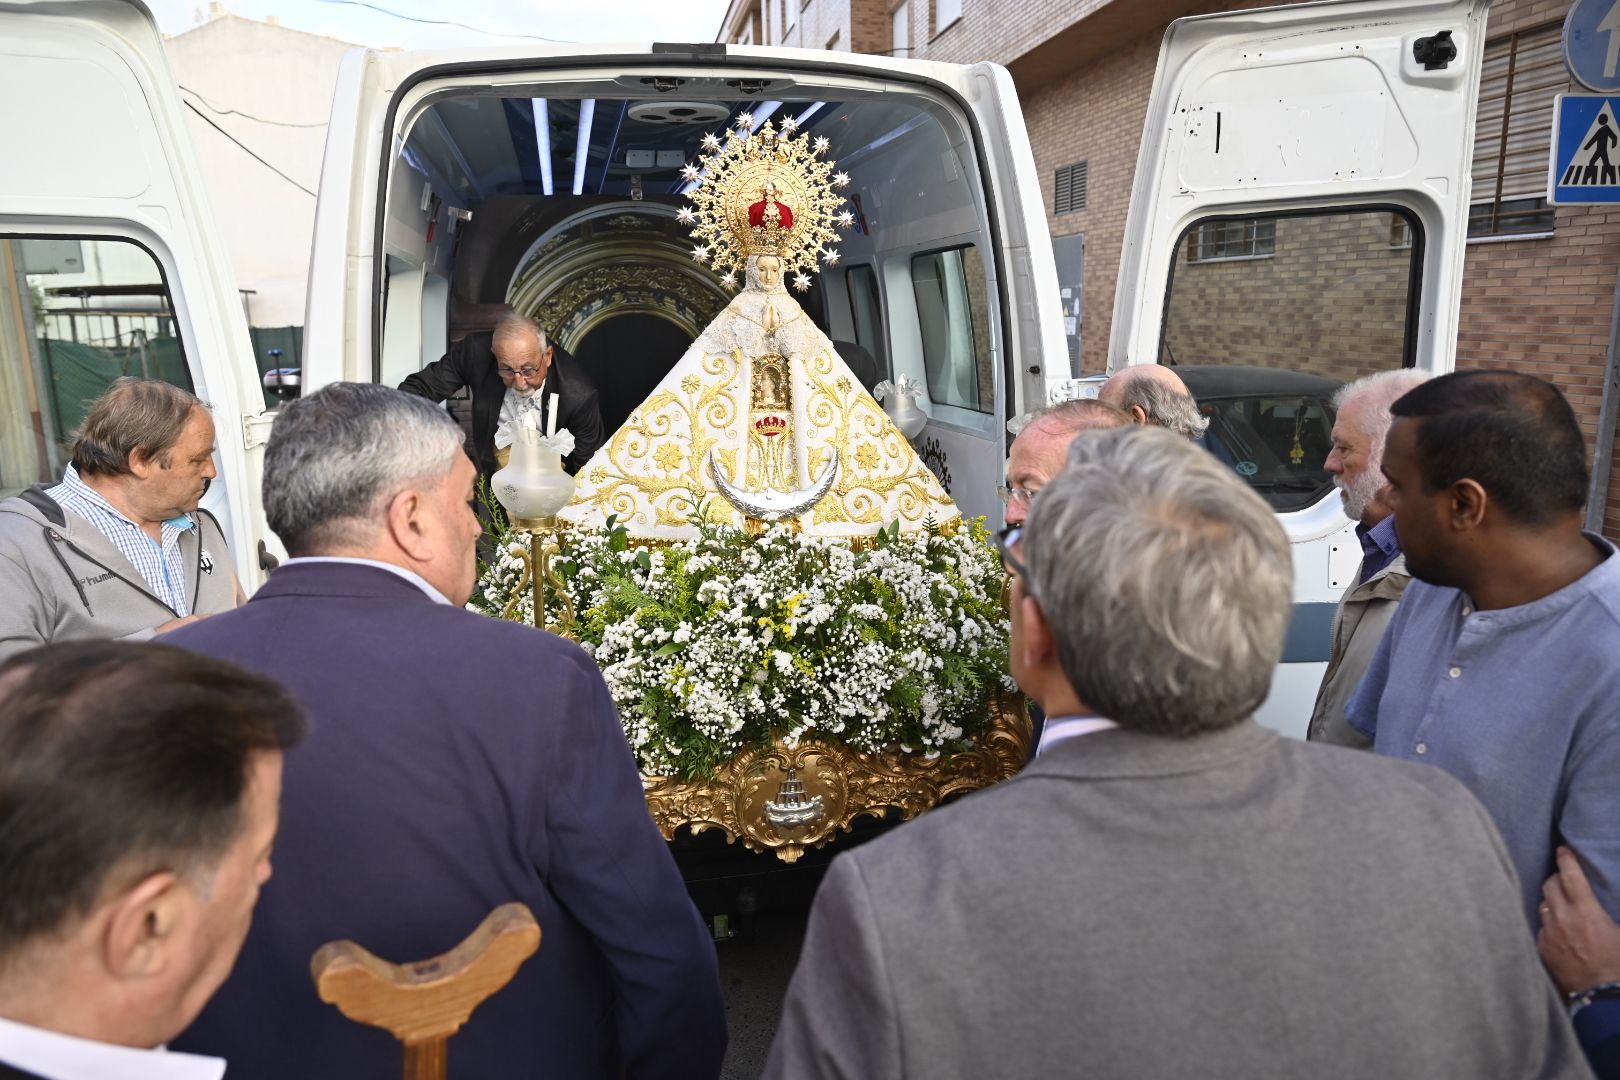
(947, 275)
(109, 262)
(1300, 206)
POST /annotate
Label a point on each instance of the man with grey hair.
(1148, 895)
(1356, 464)
(1038, 452)
(120, 548)
(457, 762)
(512, 370)
(1154, 394)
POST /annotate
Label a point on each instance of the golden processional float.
(796, 624)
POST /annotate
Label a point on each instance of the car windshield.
(1276, 442)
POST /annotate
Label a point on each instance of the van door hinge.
(256, 429)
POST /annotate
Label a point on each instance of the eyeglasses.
(1005, 539)
(529, 373)
(1020, 495)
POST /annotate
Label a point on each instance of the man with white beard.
(1365, 610)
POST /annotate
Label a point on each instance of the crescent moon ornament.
(770, 504)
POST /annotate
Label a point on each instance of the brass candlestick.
(538, 574)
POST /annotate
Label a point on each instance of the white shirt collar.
(66, 1057)
(513, 406)
(409, 575)
(1069, 727)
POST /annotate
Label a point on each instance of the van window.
(951, 315)
(866, 311)
(76, 312)
(1267, 317)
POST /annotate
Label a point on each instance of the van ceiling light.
(679, 112)
(814, 108)
(582, 148)
(542, 131)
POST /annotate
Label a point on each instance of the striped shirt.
(161, 566)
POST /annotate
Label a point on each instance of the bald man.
(1042, 447)
(1151, 394)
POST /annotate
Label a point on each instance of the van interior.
(561, 201)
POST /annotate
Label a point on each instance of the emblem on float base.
(790, 808)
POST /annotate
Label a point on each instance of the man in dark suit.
(457, 763)
(138, 793)
(1170, 889)
(512, 370)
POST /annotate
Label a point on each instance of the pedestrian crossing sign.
(1585, 165)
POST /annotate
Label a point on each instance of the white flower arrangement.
(726, 641)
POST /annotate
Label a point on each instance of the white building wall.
(271, 88)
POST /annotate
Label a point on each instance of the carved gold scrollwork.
(848, 783)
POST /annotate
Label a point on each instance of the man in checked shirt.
(119, 548)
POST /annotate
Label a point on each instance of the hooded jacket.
(62, 580)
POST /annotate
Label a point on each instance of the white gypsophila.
(719, 642)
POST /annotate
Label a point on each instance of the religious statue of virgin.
(761, 421)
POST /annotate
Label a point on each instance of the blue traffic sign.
(1592, 44)
(1585, 166)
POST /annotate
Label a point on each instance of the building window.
(945, 13)
(1216, 240)
(1522, 75)
(901, 46)
(1069, 188)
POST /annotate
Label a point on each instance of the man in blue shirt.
(1499, 664)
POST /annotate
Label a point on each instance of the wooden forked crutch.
(424, 1003)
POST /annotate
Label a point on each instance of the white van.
(1300, 203)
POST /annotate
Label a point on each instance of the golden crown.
(765, 192)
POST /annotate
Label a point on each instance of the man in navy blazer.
(456, 762)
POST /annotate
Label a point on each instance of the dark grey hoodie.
(62, 580)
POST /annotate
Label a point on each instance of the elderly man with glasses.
(1037, 453)
(513, 370)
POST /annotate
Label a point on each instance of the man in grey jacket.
(1356, 462)
(1170, 889)
(120, 548)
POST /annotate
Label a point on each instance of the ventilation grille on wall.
(1069, 192)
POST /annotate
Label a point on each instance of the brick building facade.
(1539, 283)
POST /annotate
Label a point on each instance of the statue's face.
(770, 271)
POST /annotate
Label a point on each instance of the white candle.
(551, 416)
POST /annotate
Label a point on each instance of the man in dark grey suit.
(1169, 889)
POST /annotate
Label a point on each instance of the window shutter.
(1069, 188)
(1522, 74)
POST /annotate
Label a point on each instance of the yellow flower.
(668, 457)
(867, 457)
(691, 384)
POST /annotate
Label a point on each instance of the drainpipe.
(1597, 499)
